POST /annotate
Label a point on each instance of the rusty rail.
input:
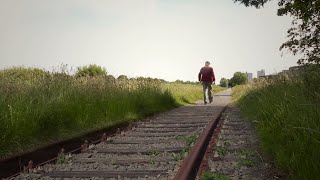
(190, 165)
(13, 166)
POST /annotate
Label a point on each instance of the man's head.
(207, 63)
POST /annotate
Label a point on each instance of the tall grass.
(187, 93)
(38, 106)
(286, 112)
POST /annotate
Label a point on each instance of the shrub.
(91, 70)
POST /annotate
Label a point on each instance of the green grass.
(187, 93)
(213, 176)
(247, 152)
(246, 163)
(286, 112)
(222, 151)
(38, 107)
(190, 141)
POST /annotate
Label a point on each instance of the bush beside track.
(286, 112)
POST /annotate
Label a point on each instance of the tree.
(111, 78)
(179, 81)
(91, 70)
(224, 82)
(239, 78)
(122, 77)
(304, 35)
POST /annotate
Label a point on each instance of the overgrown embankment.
(38, 106)
(286, 112)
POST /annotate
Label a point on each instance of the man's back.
(206, 74)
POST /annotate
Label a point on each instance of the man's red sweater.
(206, 74)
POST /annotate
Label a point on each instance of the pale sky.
(167, 39)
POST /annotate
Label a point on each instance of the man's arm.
(213, 77)
(200, 75)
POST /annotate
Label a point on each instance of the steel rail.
(190, 165)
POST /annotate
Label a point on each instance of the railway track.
(156, 149)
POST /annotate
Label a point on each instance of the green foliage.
(255, 3)
(213, 176)
(222, 151)
(286, 114)
(111, 78)
(28, 75)
(246, 163)
(38, 106)
(239, 78)
(91, 70)
(304, 35)
(123, 77)
(190, 141)
(179, 81)
(61, 159)
(227, 143)
(187, 95)
(224, 82)
(247, 152)
(153, 152)
(184, 82)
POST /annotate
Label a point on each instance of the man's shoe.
(205, 102)
(210, 100)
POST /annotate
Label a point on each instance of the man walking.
(206, 76)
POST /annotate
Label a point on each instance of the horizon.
(71, 71)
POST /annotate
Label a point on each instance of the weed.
(189, 140)
(227, 143)
(178, 156)
(154, 152)
(152, 160)
(247, 152)
(222, 151)
(213, 176)
(179, 137)
(61, 159)
(246, 163)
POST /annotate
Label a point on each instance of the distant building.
(292, 72)
(249, 76)
(296, 68)
(261, 73)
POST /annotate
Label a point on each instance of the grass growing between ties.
(213, 176)
(37, 107)
(222, 151)
(189, 141)
(286, 112)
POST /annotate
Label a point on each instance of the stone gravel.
(237, 153)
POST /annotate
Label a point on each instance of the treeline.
(238, 78)
(89, 71)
